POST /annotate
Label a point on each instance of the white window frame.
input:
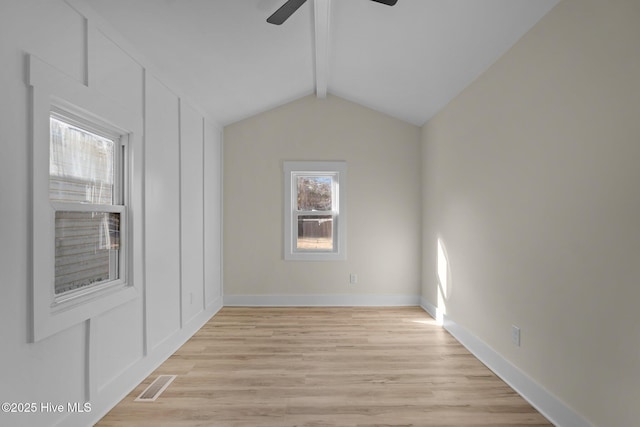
(57, 93)
(119, 204)
(338, 171)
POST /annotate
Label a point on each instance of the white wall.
(101, 359)
(383, 205)
(531, 182)
(192, 211)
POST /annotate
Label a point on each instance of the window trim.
(52, 93)
(337, 169)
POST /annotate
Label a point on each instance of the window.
(87, 193)
(86, 199)
(315, 214)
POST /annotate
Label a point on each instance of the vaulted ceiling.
(408, 60)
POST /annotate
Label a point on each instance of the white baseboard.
(333, 300)
(540, 398)
(120, 386)
(431, 309)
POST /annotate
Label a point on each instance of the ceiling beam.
(322, 32)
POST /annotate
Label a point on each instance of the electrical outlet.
(353, 278)
(515, 335)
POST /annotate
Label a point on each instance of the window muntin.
(86, 190)
(314, 211)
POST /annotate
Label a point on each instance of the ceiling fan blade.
(285, 11)
(387, 2)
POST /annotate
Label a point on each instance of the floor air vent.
(156, 388)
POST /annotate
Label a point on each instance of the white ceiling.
(408, 60)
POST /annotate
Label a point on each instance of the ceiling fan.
(287, 9)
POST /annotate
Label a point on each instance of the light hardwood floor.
(348, 367)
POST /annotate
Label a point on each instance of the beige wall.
(531, 180)
(383, 200)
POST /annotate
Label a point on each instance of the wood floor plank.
(315, 366)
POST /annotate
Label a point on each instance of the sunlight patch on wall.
(444, 279)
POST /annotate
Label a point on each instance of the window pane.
(314, 193)
(81, 165)
(87, 246)
(315, 232)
